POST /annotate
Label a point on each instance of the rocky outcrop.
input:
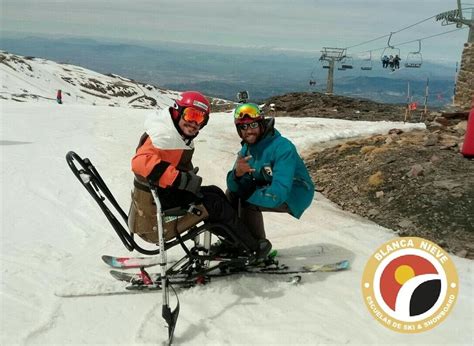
(314, 104)
(416, 183)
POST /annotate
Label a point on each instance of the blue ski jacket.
(280, 174)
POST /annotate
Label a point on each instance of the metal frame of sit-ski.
(197, 258)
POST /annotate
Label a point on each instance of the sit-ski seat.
(142, 219)
(180, 225)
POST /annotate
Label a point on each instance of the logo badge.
(410, 285)
(200, 105)
(268, 170)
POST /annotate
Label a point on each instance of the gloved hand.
(189, 181)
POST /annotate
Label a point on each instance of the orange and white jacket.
(162, 152)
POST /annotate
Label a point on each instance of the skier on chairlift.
(385, 61)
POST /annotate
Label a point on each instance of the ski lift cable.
(407, 42)
(375, 39)
(428, 37)
(395, 32)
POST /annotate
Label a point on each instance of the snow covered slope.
(53, 235)
(27, 78)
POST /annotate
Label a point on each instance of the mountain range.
(223, 71)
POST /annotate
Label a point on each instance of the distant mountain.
(28, 78)
(25, 78)
(222, 71)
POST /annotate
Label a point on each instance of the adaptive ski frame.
(169, 316)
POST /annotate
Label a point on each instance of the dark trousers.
(251, 214)
(218, 207)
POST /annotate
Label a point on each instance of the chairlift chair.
(414, 59)
(312, 79)
(367, 63)
(346, 63)
(389, 50)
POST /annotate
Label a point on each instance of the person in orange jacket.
(164, 157)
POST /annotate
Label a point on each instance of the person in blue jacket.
(268, 174)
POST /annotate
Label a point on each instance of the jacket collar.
(163, 133)
(269, 133)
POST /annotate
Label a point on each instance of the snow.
(38, 80)
(53, 235)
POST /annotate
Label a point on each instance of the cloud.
(295, 25)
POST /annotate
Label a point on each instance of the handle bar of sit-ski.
(90, 178)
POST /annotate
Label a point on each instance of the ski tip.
(328, 267)
(345, 264)
(116, 262)
(114, 272)
(118, 275)
(107, 259)
(130, 262)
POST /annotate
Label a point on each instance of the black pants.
(251, 214)
(218, 206)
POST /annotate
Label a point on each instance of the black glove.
(189, 181)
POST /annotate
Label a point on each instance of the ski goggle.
(192, 114)
(244, 127)
(247, 110)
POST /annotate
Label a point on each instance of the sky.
(53, 235)
(306, 25)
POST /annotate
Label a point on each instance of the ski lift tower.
(464, 91)
(331, 55)
(456, 17)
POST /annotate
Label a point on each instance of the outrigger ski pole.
(169, 316)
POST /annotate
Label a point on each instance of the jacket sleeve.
(148, 162)
(232, 181)
(278, 191)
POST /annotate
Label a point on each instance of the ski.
(102, 292)
(144, 278)
(137, 283)
(144, 282)
(282, 269)
(130, 262)
(143, 262)
(113, 289)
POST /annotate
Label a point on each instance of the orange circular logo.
(410, 285)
